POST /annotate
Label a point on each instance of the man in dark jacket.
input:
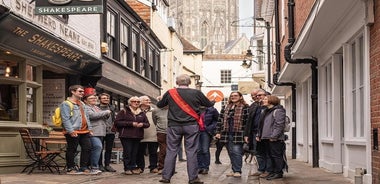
(182, 124)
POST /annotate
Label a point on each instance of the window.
(134, 52)
(9, 98)
(357, 86)
(204, 34)
(18, 90)
(326, 84)
(225, 76)
(111, 33)
(124, 45)
(143, 59)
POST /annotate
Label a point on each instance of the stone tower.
(206, 23)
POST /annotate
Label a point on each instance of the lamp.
(7, 70)
(246, 64)
(248, 56)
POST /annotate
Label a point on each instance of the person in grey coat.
(98, 120)
(271, 134)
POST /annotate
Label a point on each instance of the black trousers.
(276, 154)
(108, 141)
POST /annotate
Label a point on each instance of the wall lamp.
(248, 59)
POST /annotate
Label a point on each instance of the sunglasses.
(135, 101)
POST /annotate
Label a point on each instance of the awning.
(20, 35)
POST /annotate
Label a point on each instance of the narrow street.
(299, 173)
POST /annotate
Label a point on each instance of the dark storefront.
(36, 69)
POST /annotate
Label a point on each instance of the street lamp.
(267, 27)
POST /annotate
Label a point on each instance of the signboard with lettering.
(16, 33)
(60, 7)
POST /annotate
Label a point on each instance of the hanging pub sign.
(61, 7)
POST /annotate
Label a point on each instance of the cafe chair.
(41, 157)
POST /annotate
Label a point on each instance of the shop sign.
(23, 36)
(60, 7)
(52, 24)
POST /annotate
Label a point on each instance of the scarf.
(237, 117)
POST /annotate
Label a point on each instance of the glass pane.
(30, 105)
(30, 73)
(9, 103)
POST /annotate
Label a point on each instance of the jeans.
(262, 156)
(96, 150)
(204, 150)
(173, 141)
(108, 141)
(235, 152)
(72, 144)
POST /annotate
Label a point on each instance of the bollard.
(359, 172)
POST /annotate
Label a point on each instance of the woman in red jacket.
(130, 123)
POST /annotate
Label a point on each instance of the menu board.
(53, 95)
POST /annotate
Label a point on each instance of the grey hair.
(133, 98)
(144, 97)
(183, 80)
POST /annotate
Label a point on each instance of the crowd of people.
(182, 116)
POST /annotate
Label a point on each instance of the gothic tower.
(206, 23)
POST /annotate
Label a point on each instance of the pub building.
(42, 55)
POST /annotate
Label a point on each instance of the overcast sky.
(246, 11)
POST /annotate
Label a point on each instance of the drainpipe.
(314, 81)
(292, 85)
(267, 26)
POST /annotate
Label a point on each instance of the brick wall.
(141, 9)
(302, 9)
(375, 88)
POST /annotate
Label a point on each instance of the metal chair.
(41, 157)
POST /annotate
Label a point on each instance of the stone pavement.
(299, 172)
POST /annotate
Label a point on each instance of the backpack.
(287, 122)
(56, 119)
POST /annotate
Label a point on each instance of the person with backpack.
(77, 130)
(206, 131)
(271, 134)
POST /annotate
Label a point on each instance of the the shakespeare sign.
(60, 7)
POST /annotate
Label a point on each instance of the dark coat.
(124, 123)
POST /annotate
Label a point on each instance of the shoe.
(274, 176)
(218, 162)
(230, 174)
(237, 175)
(182, 160)
(73, 171)
(159, 171)
(164, 180)
(203, 171)
(128, 172)
(95, 171)
(196, 181)
(109, 169)
(258, 173)
(155, 170)
(137, 171)
(101, 168)
(264, 175)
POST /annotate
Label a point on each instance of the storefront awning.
(18, 34)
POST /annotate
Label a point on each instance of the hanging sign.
(61, 7)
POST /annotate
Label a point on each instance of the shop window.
(30, 73)
(9, 102)
(30, 105)
(9, 69)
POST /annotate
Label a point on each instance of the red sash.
(183, 105)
